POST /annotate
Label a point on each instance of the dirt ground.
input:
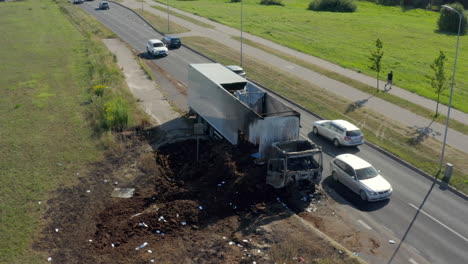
(216, 210)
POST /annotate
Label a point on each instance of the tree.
(376, 58)
(438, 78)
(449, 20)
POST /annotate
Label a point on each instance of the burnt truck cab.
(297, 162)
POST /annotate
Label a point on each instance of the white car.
(155, 47)
(340, 132)
(237, 69)
(360, 177)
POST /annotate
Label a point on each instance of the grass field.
(410, 38)
(48, 66)
(397, 139)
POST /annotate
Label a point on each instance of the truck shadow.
(341, 194)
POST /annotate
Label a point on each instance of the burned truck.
(233, 108)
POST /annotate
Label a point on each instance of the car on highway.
(340, 132)
(78, 2)
(155, 47)
(104, 5)
(171, 42)
(237, 69)
(360, 177)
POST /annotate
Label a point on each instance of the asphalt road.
(436, 234)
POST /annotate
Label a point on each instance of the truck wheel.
(315, 130)
(363, 195)
(336, 143)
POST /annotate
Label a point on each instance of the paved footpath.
(224, 34)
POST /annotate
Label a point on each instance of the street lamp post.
(241, 37)
(453, 82)
(167, 16)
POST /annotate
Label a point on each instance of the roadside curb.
(375, 147)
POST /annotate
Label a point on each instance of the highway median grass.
(184, 17)
(410, 145)
(51, 58)
(410, 38)
(160, 23)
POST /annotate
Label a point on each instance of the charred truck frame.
(229, 105)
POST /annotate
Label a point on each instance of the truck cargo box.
(231, 104)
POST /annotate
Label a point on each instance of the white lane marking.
(364, 224)
(439, 222)
(413, 261)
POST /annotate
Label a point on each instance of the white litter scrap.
(152, 260)
(239, 245)
(123, 192)
(39, 202)
(149, 251)
(56, 230)
(231, 243)
(161, 218)
(49, 259)
(200, 207)
(224, 238)
(259, 251)
(141, 246)
(245, 240)
(183, 223)
(105, 180)
(391, 241)
(88, 191)
(90, 240)
(116, 183)
(112, 245)
(142, 224)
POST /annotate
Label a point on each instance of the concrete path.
(223, 34)
(145, 90)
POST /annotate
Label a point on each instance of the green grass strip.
(184, 17)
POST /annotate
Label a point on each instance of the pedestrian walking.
(389, 81)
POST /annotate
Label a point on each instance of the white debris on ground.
(141, 246)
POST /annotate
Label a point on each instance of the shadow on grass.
(358, 104)
(422, 133)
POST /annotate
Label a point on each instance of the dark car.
(172, 42)
(77, 2)
(103, 5)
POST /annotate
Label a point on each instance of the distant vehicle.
(360, 177)
(172, 42)
(155, 47)
(237, 69)
(104, 5)
(340, 132)
(78, 2)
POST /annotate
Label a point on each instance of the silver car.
(340, 132)
(360, 177)
(237, 69)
